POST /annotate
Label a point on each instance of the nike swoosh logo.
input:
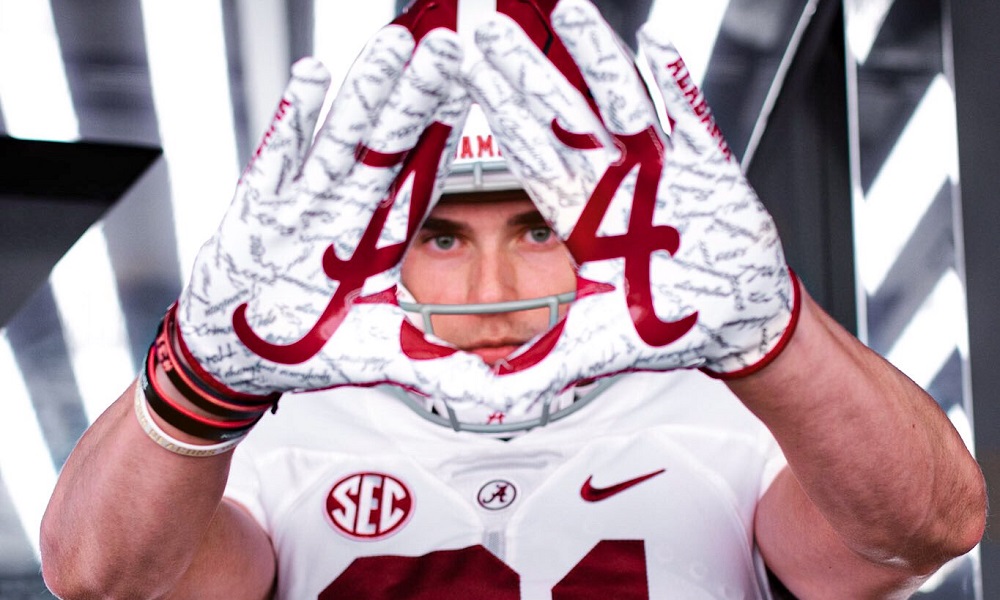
(595, 494)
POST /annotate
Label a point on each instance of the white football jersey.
(647, 492)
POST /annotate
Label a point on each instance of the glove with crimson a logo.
(685, 261)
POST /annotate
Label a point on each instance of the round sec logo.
(368, 506)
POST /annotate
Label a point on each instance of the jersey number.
(612, 569)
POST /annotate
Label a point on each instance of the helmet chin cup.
(553, 409)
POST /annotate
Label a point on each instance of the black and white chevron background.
(144, 110)
(908, 235)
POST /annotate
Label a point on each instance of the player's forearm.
(871, 449)
(126, 516)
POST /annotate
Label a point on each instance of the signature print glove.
(316, 224)
(658, 209)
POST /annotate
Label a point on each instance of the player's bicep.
(235, 560)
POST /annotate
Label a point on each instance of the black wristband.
(184, 420)
(191, 388)
(202, 382)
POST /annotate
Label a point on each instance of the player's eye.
(443, 242)
(540, 235)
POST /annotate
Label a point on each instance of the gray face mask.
(441, 413)
(427, 310)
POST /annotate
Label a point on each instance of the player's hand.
(657, 208)
(319, 222)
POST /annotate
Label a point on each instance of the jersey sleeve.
(244, 486)
(774, 463)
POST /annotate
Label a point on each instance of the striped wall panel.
(907, 219)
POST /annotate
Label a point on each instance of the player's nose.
(493, 277)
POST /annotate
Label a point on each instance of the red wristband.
(206, 383)
(193, 389)
(185, 420)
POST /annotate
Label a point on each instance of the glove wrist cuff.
(778, 347)
(201, 380)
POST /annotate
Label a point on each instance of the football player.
(616, 386)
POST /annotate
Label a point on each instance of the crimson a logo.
(496, 494)
(369, 506)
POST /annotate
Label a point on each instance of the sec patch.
(368, 506)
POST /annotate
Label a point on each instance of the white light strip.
(963, 424)
(34, 94)
(857, 190)
(693, 28)
(25, 464)
(778, 83)
(864, 19)
(937, 329)
(338, 40)
(264, 56)
(924, 158)
(470, 14)
(93, 323)
(190, 80)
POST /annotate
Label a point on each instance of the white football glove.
(659, 210)
(277, 300)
